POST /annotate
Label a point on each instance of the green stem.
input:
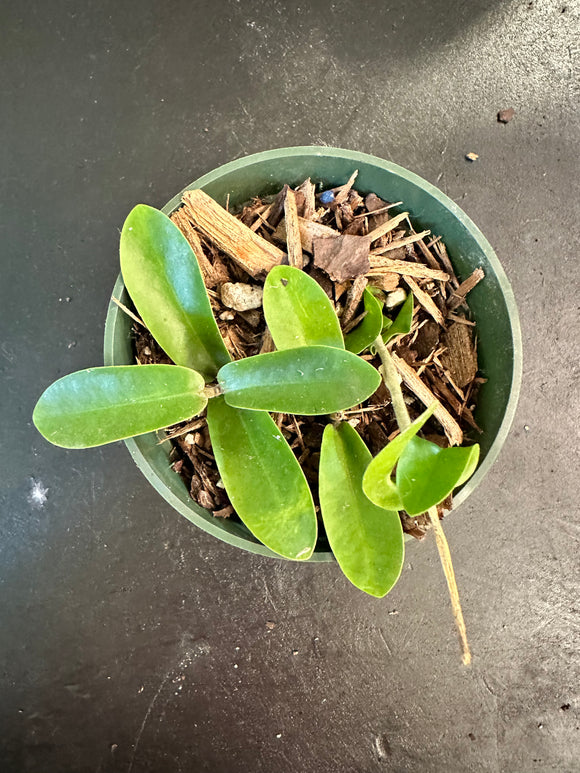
(393, 384)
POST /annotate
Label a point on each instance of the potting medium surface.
(133, 641)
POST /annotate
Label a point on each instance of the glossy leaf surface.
(100, 405)
(369, 328)
(310, 380)
(427, 474)
(402, 322)
(366, 540)
(378, 485)
(263, 479)
(298, 312)
(163, 278)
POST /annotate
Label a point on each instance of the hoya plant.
(315, 370)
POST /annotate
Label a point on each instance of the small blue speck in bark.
(326, 197)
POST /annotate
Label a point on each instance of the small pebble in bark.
(471, 156)
(241, 296)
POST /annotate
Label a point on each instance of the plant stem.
(393, 384)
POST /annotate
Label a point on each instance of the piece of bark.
(428, 255)
(309, 230)
(395, 244)
(267, 343)
(447, 265)
(323, 280)
(373, 202)
(462, 320)
(225, 512)
(253, 253)
(308, 189)
(426, 396)
(356, 228)
(388, 225)
(385, 282)
(355, 200)
(427, 339)
(425, 300)
(293, 244)
(442, 390)
(210, 277)
(459, 294)
(344, 257)
(277, 208)
(380, 265)
(341, 193)
(460, 359)
(353, 298)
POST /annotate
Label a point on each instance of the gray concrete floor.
(129, 640)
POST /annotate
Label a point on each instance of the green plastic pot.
(492, 304)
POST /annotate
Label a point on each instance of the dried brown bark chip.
(343, 257)
(460, 359)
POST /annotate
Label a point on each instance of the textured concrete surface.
(129, 641)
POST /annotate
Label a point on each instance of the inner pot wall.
(492, 304)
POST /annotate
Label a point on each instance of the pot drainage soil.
(347, 242)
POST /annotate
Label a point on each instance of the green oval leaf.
(310, 380)
(365, 333)
(366, 540)
(163, 278)
(378, 485)
(403, 321)
(298, 312)
(427, 474)
(100, 405)
(263, 479)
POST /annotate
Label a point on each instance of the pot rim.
(193, 512)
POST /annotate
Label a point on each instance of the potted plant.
(319, 376)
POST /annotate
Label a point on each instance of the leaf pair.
(426, 473)
(367, 540)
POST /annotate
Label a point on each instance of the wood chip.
(387, 226)
(459, 294)
(380, 265)
(394, 245)
(447, 265)
(309, 230)
(460, 358)
(253, 253)
(210, 276)
(385, 282)
(341, 193)
(344, 257)
(426, 396)
(293, 243)
(425, 300)
(353, 298)
(308, 190)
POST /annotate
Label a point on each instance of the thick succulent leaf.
(402, 322)
(427, 474)
(100, 405)
(263, 479)
(378, 485)
(163, 278)
(367, 540)
(365, 333)
(298, 312)
(310, 380)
